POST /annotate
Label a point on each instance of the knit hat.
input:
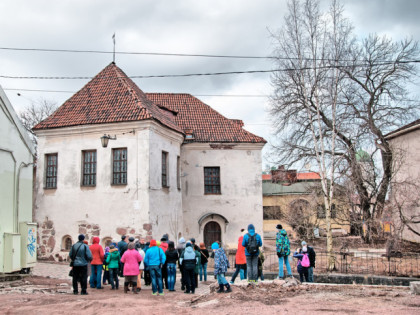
(192, 240)
(188, 244)
(163, 239)
(158, 243)
(81, 237)
(251, 227)
(131, 239)
(152, 243)
(215, 245)
(279, 227)
(304, 243)
(202, 245)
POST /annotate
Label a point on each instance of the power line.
(135, 53)
(210, 73)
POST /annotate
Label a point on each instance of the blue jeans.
(287, 263)
(156, 275)
(203, 270)
(311, 274)
(252, 267)
(221, 278)
(95, 276)
(113, 277)
(171, 268)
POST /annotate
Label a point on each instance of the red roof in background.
(207, 125)
(109, 97)
(308, 176)
(300, 176)
(113, 97)
(266, 176)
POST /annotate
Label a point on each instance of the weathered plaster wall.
(407, 160)
(16, 171)
(115, 209)
(240, 201)
(165, 202)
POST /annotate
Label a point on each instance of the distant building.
(172, 165)
(290, 196)
(17, 232)
(405, 187)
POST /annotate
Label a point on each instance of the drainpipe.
(16, 214)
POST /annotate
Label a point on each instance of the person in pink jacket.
(131, 260)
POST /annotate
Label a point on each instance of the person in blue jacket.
(153, 261)
(252, 242)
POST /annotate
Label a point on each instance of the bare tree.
(307, 94)
(36, 112)
(338, 96)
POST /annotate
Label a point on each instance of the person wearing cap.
(203, 262)
(189, 261)
(283, 251)
(180, 248)
(131, 260)
(171, 260)
(122, 247)
(80, 256)
(221, 265)
(164, 246)
(312, 258)
(252, 258)
(154, 260)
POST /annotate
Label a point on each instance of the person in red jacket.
(96, 263)
(240, 260)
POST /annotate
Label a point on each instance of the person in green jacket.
(113, 261)
(196, 271)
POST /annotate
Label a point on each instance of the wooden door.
(212, 233)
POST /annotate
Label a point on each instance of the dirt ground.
(39, 295)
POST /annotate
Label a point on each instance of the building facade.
(405, 196)
(17, 230)
(172, 165)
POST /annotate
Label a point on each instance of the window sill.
(118, 185)
(208, 194)
(50, 188)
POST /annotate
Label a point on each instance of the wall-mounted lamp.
(105, 139)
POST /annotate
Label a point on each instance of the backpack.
(283, 246)
(252, 247)
(305, 261)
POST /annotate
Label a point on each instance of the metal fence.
(356, 262)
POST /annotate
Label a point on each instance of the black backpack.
(252, 247)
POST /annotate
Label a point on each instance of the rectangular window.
(51, 170)
(212, 180)
(178, 172)
(164, 169)
(89, 168)
(119, 166)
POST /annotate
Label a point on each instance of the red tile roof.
(113, 97)
(266, 176)
(207, 125)
(108, 98)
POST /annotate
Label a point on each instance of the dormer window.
(189, 135)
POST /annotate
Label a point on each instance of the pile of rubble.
(26, 287)
(268, 292)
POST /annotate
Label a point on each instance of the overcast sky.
(185, 26)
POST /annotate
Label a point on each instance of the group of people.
(305, 257)
(158, 261)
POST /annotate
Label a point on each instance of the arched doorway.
(212, 233)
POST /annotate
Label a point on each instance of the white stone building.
(176, 166)
(17, 230)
